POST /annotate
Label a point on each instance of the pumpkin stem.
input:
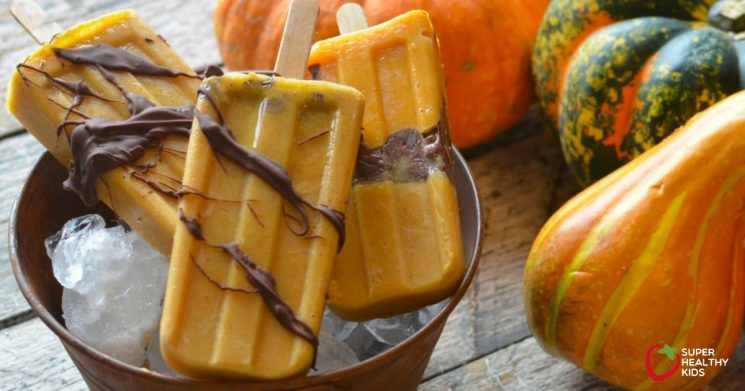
(728, 15)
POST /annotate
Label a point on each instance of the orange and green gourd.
(649, 260)
(617, 76)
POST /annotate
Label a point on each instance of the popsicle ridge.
(260, 279)
(78, 88)
(221, 139)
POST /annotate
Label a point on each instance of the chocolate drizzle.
(192, 225)
(115, 59)
(260, 279)
(157, 186)
(78, 89)
(223, 142)
(264, 283)
(99, 145)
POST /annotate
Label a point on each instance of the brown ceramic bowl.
(43, 207)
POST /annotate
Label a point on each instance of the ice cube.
(333, 353)
(113, 286)
(364, 344)
(368, 339)
(394, 330)
(156, 363)
(426, 314)
(337, 326)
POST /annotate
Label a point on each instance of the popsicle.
(268, 171)
(116, 91)
(403, 249)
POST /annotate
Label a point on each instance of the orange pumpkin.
(485, 44)
(651, 255)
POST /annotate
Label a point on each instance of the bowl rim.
(306, 380)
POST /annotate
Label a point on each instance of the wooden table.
(486, 343)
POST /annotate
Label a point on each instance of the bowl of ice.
(99, 288)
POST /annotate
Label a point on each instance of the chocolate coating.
(212, 71)
(192, 225)
(405, 156)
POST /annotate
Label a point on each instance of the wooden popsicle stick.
(297, 38)
(36, 22)
(350, 18)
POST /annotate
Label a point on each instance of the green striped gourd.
(618, 76)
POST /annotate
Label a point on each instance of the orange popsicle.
(403, 248)
(267, 176)
(97, 85)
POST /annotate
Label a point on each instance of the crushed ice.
(113, 286)
(343, 344)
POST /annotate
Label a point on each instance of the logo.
(687, 362)
(670, 353)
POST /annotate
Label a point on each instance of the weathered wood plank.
(524, 366)
(516, 183)
(32, 358)
(186, 24)
(733, 378)
(17, 156)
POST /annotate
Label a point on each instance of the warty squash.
(485, 48)
(617, 76)
(651, 255)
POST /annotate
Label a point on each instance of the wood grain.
(516, 182)
(351, 17)
(34, 20)
(17, 156)
(186, 25)
(525, 366)
(292, 58)
(32, 358)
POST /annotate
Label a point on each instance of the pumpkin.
(651, 255)
(618, 76)
(485, 49)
